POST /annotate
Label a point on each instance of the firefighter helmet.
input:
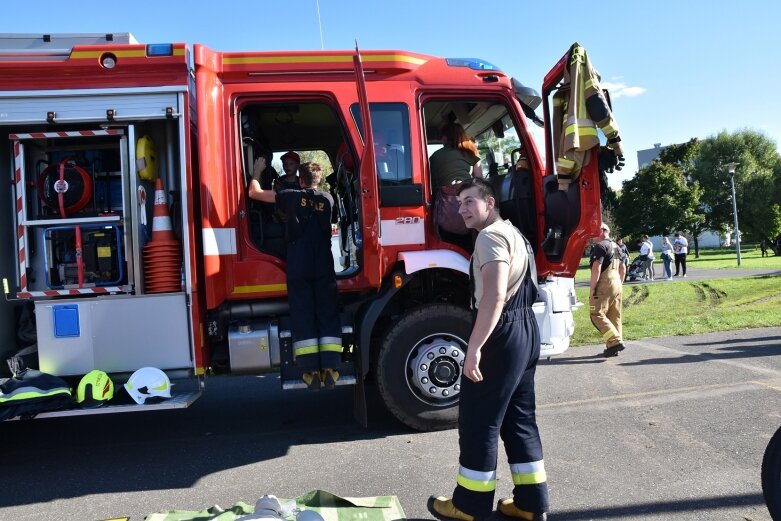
(95, 389)
(148, 382)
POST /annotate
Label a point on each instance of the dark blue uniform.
(503, 404)
(311, 280)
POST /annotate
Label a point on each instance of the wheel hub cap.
(435, 369)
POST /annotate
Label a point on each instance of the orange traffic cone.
(163, 254)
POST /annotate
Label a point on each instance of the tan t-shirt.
(499, 242)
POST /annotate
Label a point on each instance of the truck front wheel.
(419, 366)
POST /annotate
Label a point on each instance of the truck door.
(370, 200)
(573, 215)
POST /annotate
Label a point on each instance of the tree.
(684, 156)
(656, 201)
(757, 182)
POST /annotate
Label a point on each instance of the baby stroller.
(635, 270)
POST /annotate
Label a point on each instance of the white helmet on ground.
(148, 382)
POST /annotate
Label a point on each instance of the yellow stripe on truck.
(262, 288)
(127, 53)
(334, 58)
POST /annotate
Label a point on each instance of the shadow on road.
(735, 341)
(670, 507)
(591, 359)
(237, 422)
(721, 353)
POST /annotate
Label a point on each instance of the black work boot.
(613, 351)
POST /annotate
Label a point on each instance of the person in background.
(290, 163)
(667, 258)
(681, 248)
(606, 291)
(647, 254)
(457, 161)
(624, 250)
(763, 247)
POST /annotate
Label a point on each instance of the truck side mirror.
(529, 99)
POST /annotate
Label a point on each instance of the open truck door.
(370, 200)
(572, 213)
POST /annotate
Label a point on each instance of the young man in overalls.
(497, 384)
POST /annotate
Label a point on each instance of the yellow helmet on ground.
(95, 389)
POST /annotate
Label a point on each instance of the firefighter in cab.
(311, 280)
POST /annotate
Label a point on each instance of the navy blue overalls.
(503, 404)
(311, 280)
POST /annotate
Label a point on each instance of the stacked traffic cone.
(163, 254)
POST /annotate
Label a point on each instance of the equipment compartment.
(83, 256)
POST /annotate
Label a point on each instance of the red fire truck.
(88, 123)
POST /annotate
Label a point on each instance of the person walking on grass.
(605, 291)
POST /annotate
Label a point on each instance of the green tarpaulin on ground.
(330, 506)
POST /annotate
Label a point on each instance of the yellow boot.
(507, 508)
(442, 508)
(312, 380)
(329, 378)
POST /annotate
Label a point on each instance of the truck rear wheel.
(419, 366)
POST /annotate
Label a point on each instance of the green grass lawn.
(711, 259)
(691, 307)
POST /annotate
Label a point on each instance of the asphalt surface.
(673, 428)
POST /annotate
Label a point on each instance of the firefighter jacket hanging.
(579, 106)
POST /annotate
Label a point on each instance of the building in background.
(647, 156)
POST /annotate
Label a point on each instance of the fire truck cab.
(90, 122)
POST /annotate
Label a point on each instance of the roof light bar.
(160, 49)
(472, 63)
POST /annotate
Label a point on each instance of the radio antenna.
(320, 24)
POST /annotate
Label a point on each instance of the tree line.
(688, 189)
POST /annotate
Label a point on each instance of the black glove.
(609, 161)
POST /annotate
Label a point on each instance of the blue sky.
(678, 69)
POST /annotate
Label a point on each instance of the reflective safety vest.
(579, 106)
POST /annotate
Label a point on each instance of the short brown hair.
(311, 174)
(484, 187)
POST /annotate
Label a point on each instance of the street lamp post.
(731, 170)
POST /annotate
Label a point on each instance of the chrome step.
(300, 384)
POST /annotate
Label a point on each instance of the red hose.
(79, 260)
(61, 195)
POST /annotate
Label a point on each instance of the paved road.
(674, 428)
